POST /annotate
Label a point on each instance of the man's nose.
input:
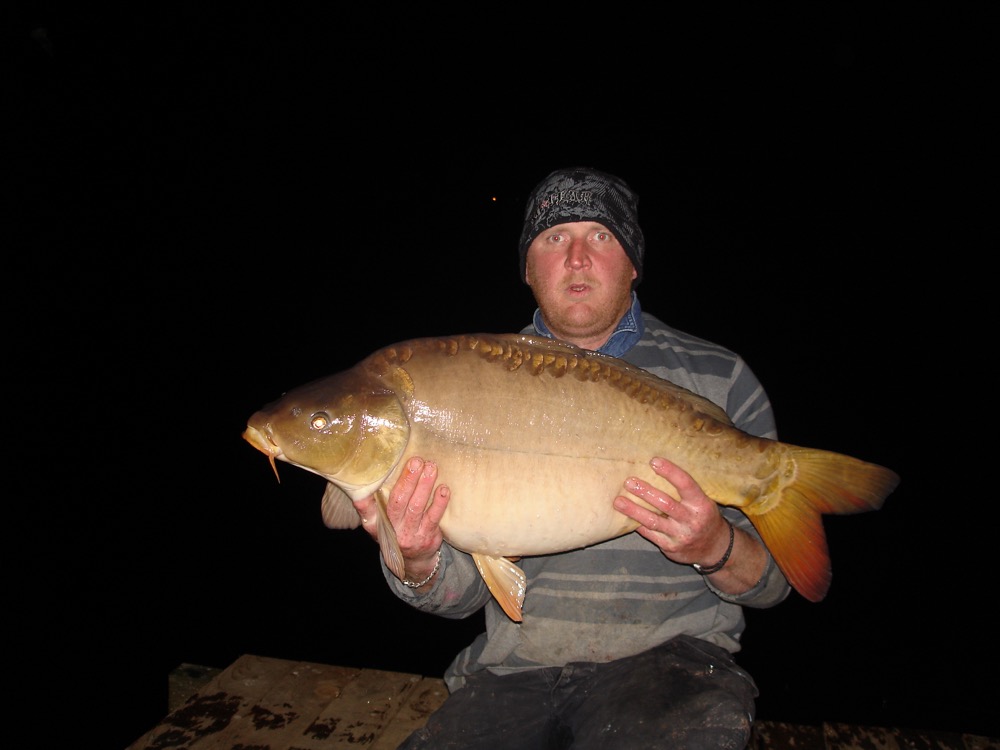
(578, 255)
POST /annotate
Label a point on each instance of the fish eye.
(319, 421)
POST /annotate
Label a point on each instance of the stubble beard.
(587, 320)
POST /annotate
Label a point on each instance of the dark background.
(211, 206)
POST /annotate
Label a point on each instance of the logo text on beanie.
(585, 197)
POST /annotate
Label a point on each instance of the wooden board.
(286, 705)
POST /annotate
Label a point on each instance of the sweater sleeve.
(771, 589)
(457, 592)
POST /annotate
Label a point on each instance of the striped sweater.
(623, 596)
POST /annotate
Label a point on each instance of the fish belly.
(506, 505)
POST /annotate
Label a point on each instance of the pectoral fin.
(505, 581)
(338, 510)
(387, 541)
(339, 513)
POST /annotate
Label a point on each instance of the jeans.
(685, 693)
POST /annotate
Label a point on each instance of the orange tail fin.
(792, 527)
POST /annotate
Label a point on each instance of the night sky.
(212, 207)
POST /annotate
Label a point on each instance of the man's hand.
(690, 530)
(414, 509)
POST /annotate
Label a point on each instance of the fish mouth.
(265, 445)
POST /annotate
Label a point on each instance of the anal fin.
(505, 581)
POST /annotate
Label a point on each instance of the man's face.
(582, 281)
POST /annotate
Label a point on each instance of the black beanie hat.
(585, 194)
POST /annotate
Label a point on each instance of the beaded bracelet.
(437, 566)
(707, 569)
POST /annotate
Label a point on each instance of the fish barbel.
(535, 438)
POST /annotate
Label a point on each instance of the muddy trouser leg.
(684, 694)
(513, 712)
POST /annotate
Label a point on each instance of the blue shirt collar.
(626, 335)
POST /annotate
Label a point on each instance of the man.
(627, 643)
